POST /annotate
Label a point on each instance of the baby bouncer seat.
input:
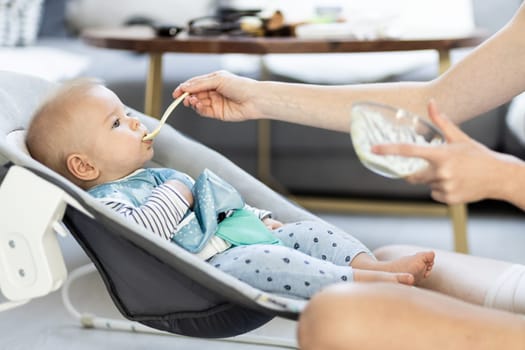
(151, 281)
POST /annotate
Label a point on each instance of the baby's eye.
(116, 124)
(128, 113)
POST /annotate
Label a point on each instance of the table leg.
(444, 61)
(153, 97)
(458, 212)
(458, 215)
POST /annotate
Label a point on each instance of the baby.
(85, 133)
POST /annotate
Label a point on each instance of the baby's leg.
(281, 270)
(323, 241)
(419, 264)
(329, 243)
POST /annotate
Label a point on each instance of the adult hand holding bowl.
(373, 123)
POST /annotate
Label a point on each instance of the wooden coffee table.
(143, 39)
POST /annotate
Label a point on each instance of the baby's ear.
(81, 167)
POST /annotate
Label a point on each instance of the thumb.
(450, 130)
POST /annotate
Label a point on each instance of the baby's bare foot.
(418, 265)
(381, 276)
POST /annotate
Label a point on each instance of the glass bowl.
(373, 123)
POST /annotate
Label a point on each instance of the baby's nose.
(134, 123)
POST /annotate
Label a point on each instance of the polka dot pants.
(314, 255)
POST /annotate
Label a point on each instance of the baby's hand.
(182, 189)
(272, 224)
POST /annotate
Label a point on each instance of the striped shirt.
(145, 198)
(160, 213)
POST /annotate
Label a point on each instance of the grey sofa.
(305, 161)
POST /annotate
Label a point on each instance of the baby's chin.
(148, 157)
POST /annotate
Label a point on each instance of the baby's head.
(84, 132)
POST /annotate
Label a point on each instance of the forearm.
(329, 107)
(468, 89)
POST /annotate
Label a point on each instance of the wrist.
(268, 100)
(509, 176)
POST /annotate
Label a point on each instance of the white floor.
(45, 324)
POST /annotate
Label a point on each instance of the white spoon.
(165, 116)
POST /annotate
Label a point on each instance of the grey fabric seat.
(150, 280)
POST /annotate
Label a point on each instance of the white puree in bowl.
(370, 128)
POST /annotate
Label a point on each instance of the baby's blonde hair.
(50, 136)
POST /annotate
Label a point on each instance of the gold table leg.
(444, 61)
(458, 215)
(153, 96)
(458, 212)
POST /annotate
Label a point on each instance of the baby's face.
(114, 138)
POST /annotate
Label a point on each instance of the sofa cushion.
(49, 63)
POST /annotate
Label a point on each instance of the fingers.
(433, 155)
(430, 153)
(450, 130)
(201, 83)
(439, 196)
(198, 100)
(424, 176)
(444, 192)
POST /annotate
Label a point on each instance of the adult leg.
(466, 277)
(390, 316)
